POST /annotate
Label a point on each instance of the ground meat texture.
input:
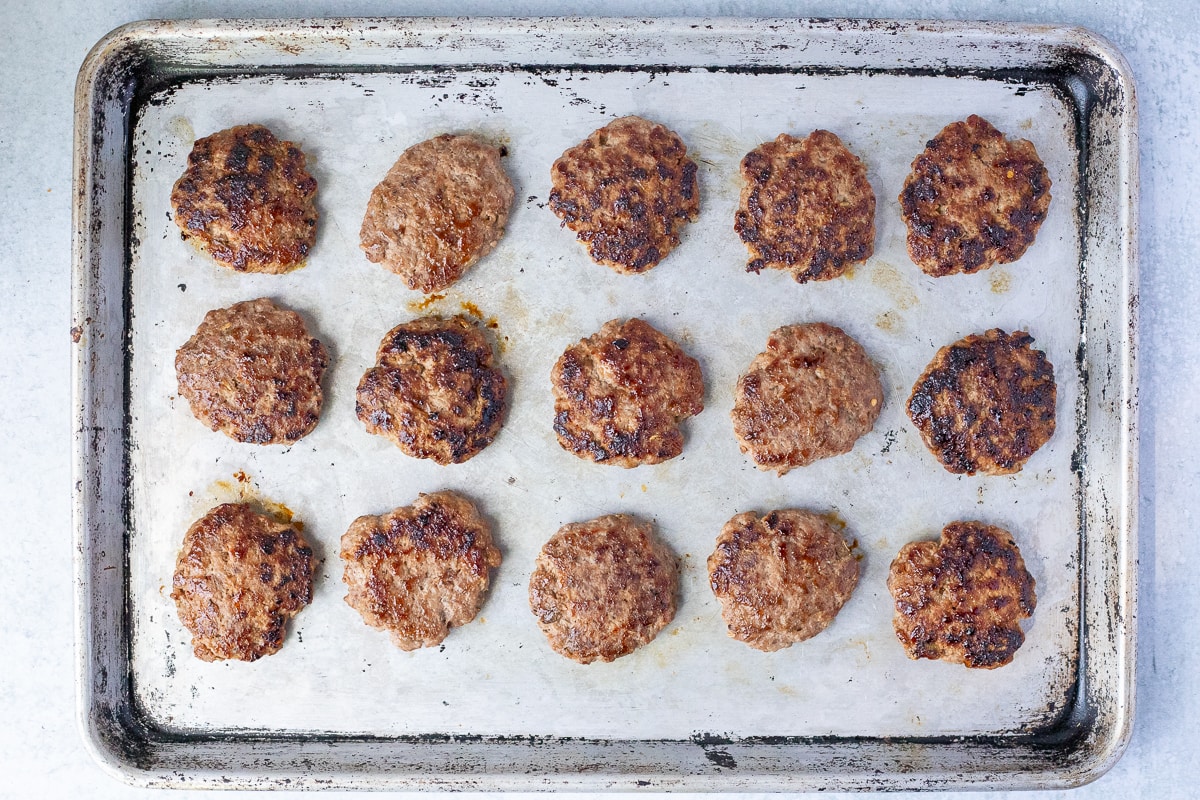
(442, 206)
(810, 395)
(620, 395)
(962, 599)
(781, 578)
(973, 199)
(247, 200)
(626, 191)
(252, 372)
(433, 390)
(420, 570)
(603, 588)
(985, 403)
(239, 578)
(806, 207)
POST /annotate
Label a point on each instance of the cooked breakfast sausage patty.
(247, 200)
(603, 588)
(626, 191)
(433, 390)
(442, 206)
(620, 395)
(420, 570)
(962, 599)
(781, 578)
(806, 207)
(252, 372)
(985, 403)
(240, 576)
(973, 199)
(810, 395)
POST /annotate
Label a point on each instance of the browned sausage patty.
(810, 395)
(626, 191)
(433, 390)
(620, 395)
(985, 403)
(781, 578)
(252, 372)
(807, 207)
(420, 570)
(239, 578)
(962, 599)
(442, 206)
(973, 199)
(247, 200)
(603, 588)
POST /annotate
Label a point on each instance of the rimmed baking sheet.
(496, 680)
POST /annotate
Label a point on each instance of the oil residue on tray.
(242, 489)
(888, 278)
(424, 303)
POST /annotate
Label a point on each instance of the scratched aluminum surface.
(497, 677)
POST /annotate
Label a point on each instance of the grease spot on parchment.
(890, 279)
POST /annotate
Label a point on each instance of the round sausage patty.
(247, 200)
(433, 390)
(806, 207)
(985, 403)
(781, 578)
(810, 395)
(962, 599)
(252, 372)
(420, 570)
(240, 576)
(442, 206)
(626, 191)
(973, 199)
(620, 395)
(603, 588)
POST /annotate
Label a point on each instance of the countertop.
(43, 45)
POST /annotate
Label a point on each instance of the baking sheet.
(497, 676)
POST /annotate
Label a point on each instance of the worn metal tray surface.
(494, 707)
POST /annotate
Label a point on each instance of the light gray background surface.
(41, 47)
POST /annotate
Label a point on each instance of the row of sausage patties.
(600, 589)
(973, 198)
(986, 403)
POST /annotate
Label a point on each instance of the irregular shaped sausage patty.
(781, 578)
(807, 207)
(252, 372)
(810, 395)
(973, 199)
(433, 390)
(603, 588)
(620, 394)
(442, 206)
(985, 403)
(962, 599)
(626, 191)
(247, 200)
(239, 578)
(420, 570)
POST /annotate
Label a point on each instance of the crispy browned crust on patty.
(252, 372)
(620, 395)
(441, 207)
(420, 570)
(247, 200)
(810, 395)
(603, 588)
(433, 390)
(962, 599)
(781, 578)
(985, 403)
(626, 191)
(240, 576)
(973, 199)
(806, 207)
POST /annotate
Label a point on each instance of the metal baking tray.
(495, 708)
